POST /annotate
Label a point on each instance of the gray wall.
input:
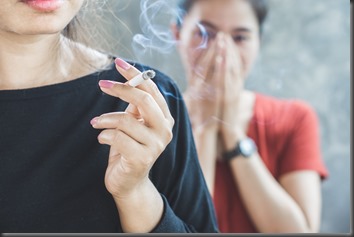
(305, 54)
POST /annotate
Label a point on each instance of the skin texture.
(35, 54)
(221, 108)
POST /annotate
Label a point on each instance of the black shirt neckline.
(57, 88)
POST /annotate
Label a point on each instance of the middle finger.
(145, 103)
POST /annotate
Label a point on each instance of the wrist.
(244, 147)
(144, 200)
(134, 191)
(140, 197)
(231, 137)
(209, 128)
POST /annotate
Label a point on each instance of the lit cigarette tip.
(137, 80)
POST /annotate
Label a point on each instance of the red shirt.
(287, 136)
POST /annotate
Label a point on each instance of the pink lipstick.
(44, 5)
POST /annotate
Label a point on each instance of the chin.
(44, 26)
(42, 31)
(34, 32)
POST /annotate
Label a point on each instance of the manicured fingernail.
(106, 84)
(94, 121)
(122, 64)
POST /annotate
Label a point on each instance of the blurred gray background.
(305, 55)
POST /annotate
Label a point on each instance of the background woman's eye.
(204, 33)
(240, 38)
(211, 34)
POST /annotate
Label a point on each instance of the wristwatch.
(245, 148)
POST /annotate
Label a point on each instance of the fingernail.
(220, 34)
(221, 43)
(122, 64)
(94, 121)
(106, 84)
(219, 59)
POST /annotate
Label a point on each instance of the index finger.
(203, 63)
(128, 71)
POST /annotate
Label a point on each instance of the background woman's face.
(207, 17)
(31, 17)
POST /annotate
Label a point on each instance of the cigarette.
(145, 75)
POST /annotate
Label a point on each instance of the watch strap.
(244, 148)
(235, 152)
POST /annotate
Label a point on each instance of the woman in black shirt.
(133, 169)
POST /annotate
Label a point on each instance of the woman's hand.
(203, 94)
(137, 136)
(203, 100)
(234, 117)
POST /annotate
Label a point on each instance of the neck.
(26, 63)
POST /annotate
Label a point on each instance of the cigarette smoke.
(155, 22)
(155, 19)
(156, 37)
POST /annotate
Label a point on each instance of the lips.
(44, 5)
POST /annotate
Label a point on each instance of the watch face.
(247, 147)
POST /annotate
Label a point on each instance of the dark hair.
(70, 30)
(260, 8)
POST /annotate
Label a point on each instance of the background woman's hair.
(260, 8)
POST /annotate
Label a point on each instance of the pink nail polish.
(106, 84)
(94, 121)
(122, 64)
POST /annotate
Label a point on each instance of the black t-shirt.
(52, 167)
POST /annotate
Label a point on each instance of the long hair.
(81, 31)
(71, 30)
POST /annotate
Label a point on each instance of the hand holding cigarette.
(136, 136)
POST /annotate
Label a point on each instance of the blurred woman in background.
(260, 155)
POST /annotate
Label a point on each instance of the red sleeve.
(302, 149)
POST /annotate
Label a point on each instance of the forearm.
(271, 208)
(141, 211)
(206, 143)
